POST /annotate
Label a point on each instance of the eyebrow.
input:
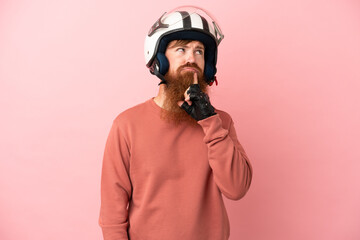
(184, 46)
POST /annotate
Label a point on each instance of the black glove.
(200, 107)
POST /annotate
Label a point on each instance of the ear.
(209, 72)
(163, 63)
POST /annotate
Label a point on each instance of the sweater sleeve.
(230, 165)
(115, 187)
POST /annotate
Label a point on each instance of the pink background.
(288, 74)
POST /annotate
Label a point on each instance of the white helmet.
(182, 23)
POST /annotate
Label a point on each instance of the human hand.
(197, 103)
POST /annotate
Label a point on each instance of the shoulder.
(132, 114)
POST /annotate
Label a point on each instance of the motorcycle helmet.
(182, 23)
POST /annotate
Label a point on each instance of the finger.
(186, 100)
(186, 95)
(186, 107)
(189, 102)
(195, 78)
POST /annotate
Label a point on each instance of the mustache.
(193, 65)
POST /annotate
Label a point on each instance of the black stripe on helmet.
(205, 24)
(186, 19)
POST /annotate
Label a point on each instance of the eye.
(180, 50)
(199, 52)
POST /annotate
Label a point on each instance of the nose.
(190, 58)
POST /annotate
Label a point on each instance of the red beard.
(175, 88)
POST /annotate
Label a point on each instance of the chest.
(167, 153)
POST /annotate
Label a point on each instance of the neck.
(160, 98)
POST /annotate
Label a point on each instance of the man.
(169, 160)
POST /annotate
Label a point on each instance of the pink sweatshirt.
(165, 182)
